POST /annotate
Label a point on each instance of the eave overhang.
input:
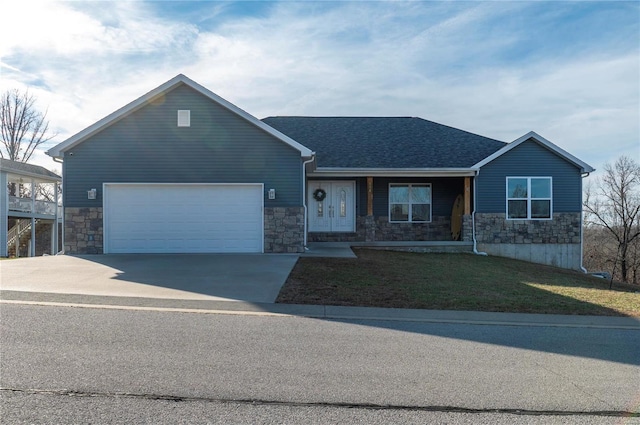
(391, 172)
(23, 173)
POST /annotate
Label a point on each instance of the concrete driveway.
(235, 277)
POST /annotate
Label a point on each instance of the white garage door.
(183, 218)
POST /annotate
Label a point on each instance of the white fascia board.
(585, 168)
(392, 172)
(58, 150)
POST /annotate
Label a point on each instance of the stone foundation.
(284, 230)
(372, 229)
(553, 242)
(495, 228)
(83, 232)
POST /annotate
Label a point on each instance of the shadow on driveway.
(239, 277)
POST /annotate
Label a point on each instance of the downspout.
(582, 268)
(304, 194)
(59, 161)
(473, 217)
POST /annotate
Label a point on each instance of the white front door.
(337, 211)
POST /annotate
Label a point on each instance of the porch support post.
(369, 220)
(467, 195)
(55, 236)
(33, 220)
(32, 245)
(370, 196)
(4, 214)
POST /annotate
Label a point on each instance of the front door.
(332, 206)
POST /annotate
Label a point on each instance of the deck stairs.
(21, 232)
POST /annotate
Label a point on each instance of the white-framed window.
(529, 198)
(184, 118)
(409, 202)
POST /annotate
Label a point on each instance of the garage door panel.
(143, 218)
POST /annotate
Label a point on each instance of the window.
(529, 198)
(410, 202)
(184, 118)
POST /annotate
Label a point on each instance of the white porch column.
(4, 214)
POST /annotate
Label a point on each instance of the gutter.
(399, 172)
(304, 195)
(473, 218)
(60, 237)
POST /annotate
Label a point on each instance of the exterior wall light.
(272, 194)
(91, 194)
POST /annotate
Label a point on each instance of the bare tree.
(614, 205)
(22, 127)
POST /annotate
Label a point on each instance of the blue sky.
(568, 70)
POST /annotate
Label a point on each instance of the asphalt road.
(147, 366)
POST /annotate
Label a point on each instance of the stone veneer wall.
(83, 232)
(284, 229)
(371, 229)
(565, 228)
(438, 230)
(466, 235)
(554, 242)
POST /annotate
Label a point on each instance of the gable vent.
(184, 118)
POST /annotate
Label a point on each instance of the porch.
(422, 210)
(30, 212)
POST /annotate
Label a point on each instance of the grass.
(454, 282)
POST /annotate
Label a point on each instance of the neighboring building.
(182, 170)
(28, 209)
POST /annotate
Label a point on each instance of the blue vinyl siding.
(147, 146)
(530, 159)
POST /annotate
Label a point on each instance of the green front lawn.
(453, 282)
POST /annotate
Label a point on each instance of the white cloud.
(440, 61)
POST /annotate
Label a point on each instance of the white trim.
(392, 172)
(529, 198)
(584, 167)
(410, 203)
(58, 150)
(105, 210)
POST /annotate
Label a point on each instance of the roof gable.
(58, 150)
(386, 142)
(584, 167)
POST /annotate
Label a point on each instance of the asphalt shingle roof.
(23, 167)
(383, 142)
